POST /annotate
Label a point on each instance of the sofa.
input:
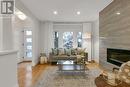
(66, 54)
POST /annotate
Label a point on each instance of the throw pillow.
(55, 51)
(61, 51)
(68, 51)
(73, 51)
(124, 72)
(81, 51)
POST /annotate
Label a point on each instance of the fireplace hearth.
(117, 56)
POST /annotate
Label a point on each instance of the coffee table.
(100, 82)
(70, 65)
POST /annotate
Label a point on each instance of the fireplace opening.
(117, 56)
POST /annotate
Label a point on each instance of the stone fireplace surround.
(114, 30)
(103, 60)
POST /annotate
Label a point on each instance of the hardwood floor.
(28, 75)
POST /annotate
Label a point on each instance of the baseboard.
(24, 62)
(92, 61)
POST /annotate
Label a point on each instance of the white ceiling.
(43, 9)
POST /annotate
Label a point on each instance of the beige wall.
(114, 29)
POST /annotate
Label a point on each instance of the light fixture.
(55, 12)
(20, 15)
(118, 13)
(78, 13)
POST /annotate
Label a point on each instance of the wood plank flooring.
(28, 75)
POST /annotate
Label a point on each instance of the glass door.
(28, 45)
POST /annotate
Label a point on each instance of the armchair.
(123, 72)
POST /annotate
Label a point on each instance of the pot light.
(55, 12)
(21, 15)
(78, 13)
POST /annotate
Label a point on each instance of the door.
(27, 44)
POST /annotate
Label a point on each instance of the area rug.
(52, 78)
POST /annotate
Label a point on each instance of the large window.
(79, 39)
(68, 39)
(56, 37)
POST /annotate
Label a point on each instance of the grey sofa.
(70, 54)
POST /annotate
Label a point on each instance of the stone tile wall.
(114, 29)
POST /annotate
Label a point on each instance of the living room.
(65, 43)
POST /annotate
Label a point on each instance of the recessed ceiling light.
(20, 15)
(118, 13)
(78, 13)
(55, 12)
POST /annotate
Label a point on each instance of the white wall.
(1, 33)
(8, 66)
(35, 30)
(46, 37)
(18, 37)
(36, 42)
(8, 60)
(95, 40)
(6, 36)
(87, 42)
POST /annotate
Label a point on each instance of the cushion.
(61, 51)
(68, 51)
(73, 51)
(80, 51)
(79, 58)
(54, 51)
(124, 73)
(128, 63)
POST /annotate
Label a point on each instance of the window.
(68, 39)
(28, 44)
(28, 32)
(56, 37)
(29, 40)
(79, 39)
(29, 54)
(29, 47)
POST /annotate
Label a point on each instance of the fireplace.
(117, 56)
